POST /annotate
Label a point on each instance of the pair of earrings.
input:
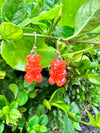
(33, 68)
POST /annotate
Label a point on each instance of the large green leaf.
(15, 52)
(13, 11)
(94, 78)
(88, 17)
(10, 31)
(69, 10)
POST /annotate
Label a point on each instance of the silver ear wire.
(34, 47)
(58, 53)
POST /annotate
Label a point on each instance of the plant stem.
(55, 24)
(41, 36)
(83, 41)
(68, 42)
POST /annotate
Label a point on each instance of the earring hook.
(58, 53)
(34, 47)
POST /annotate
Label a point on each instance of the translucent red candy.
(57, 72)
(33, 69)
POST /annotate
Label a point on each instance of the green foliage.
(13, 11)
(64, 31)
(94, 78)
(10, 31)
(22, 98)
(1, 127)
(85, 23)
(42, 107)
(69, 11)
(68, 127)
(14, 89)
(14, 48)
(49, 4)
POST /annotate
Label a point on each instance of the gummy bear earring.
(33, 67)
(57, 71)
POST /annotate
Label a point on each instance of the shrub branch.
(68, 42)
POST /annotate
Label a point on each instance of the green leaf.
(84, 64)
(94, 78)
(66, 123)
(62, 106)
(33, 9)
(10, 120)
(43, 120)
(43, 129)
(22, 98)
(32, 94)
(57, 94)
(1, 3)
(6, 110)
(94, 109)
(1, 127)
(33, 121)
(22, 122)
(98, 117)
(3, 101)
(92, 120)
(75, 110)
(14, 128)
(49, 4)
(14, 114)
(64, 31)
(28, 21)
(77, 126)
(14, 105)
(15, 52)
(2, 74)
(14, 88)
(13, 11)
(10, 31)
(69, 10)
(68, 126)
(36, 128)
(98, 120)
(87, 17)
(23, 109)
(28, 1)
(46, 104)
(41, 109)
(1, 113)
(47, 54)
(49, 15)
